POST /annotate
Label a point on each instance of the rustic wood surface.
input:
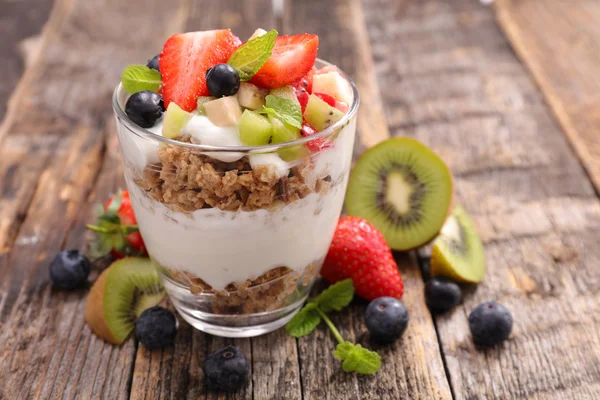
(441, 71)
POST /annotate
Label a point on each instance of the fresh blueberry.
(69, 269)
(226, 369)
(156, 328)
(442, 294)
(387, 319)
(153, 63)
(144, 108)
(490, 323)
(222, 80)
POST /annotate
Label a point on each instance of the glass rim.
(146, 134)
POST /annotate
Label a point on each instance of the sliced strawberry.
(314, 145)
(306, 82)
(303, 97)
(184, 61)
(326, 98)
(292, 58)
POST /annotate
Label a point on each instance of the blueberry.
(222, 80)
(144, 108)
(156, 328)
(226, 369)
(69, 269)
(442, 294)
(490, 323)
(153, 63)
(387, 319)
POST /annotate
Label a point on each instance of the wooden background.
(507, 94)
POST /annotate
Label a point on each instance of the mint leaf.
(287, 110)
(251, 56)
(304, 322)
(336, 296)
(136, 78)
(358, 359)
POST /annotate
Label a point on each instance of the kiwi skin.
(399, 141)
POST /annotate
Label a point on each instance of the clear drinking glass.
(238, 234)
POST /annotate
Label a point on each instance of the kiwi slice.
(404, 189)
(319, 114)
(457, 252)
(174, 120)
(119, 295)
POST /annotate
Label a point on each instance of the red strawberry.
(116, 229)
(359, 251)
(184, 61)
(306, 81)
(333, 102)
(302, 96)
(315, 145)
(292, 58)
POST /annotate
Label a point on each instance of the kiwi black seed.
(404, 189)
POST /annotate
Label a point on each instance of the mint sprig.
(286, 110)
(355, 358)
(136, 78)
(251, 56)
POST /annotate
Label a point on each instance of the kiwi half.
(119, 295)
(404, 189)
(457, 252)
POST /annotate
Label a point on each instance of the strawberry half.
(359, 251)
(116, 229)
(184, 60)
(292, 58)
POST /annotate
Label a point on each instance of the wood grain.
(456, 85)
(564, 62)
(412, 368)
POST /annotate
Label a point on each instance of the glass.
(238, 233)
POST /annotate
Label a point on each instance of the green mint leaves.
(136, 78)
(286, 110)
(251, 56)
(355, 358)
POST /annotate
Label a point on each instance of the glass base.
(190, 307)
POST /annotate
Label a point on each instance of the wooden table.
(507, 94)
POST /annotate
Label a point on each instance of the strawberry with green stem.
(116, 229)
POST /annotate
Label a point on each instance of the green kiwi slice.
(404, 189)
(119, 295)
(457, 252)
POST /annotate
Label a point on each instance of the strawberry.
(333, 102)
(292, 58)
(184, 60)
(315, 145)
(359, 251)
(302, 96)
(306, 81)
(116, 229)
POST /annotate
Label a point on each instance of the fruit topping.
(222, 80)
(285, 92)
(402, 188)
(442, 295)
(120, 295)
(291, 59)
(326, 98)
(283, 132)
(333, 84)
(458, 252)
(490, 323)
(255, 129)
(175, 120)
(184, 60)
(144, 108)
(302, 95)
(69, 269)
(225, 111)
(201, 101)
(116, 229)
(153, 63)
(226, 369)
(359, 251)
(319, 114)
(156, 327)
(306, 82)
(251, 96)
(386, 319)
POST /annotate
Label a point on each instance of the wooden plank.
(412, 367)
(58, 119)
(454, 83)
(560, 44)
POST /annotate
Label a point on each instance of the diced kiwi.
(285, 92)
(457, 252)
(255, 130)
(251, 96)
(225, 111)
(319, 114)
(283, 132)
(174, 121)
(201, 101)
(119, 295)
(404, 189)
